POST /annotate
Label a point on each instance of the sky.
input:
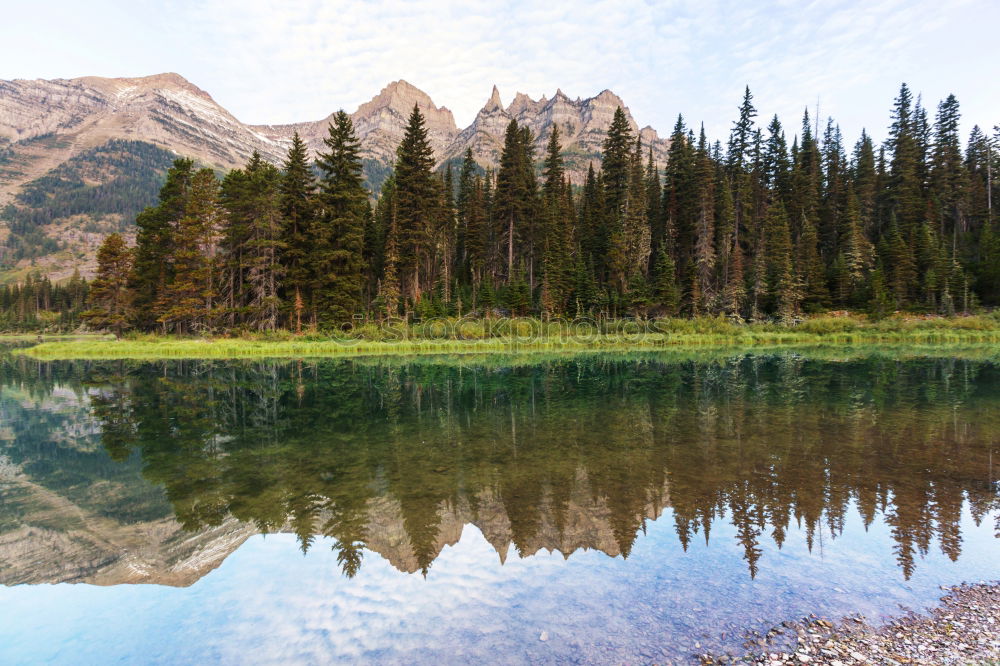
(299, 60)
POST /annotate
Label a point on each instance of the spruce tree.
(904, 195)
(155, 230)
(782, 287)
(298, 208)
(252, 242)
(417, 208)
(776, 168)
(948, 177)
(680, 200)
(811, 270)
(186, 304)
(109, 298)
(556, 216)
(654, 212)
(515, 202)
(666, 296)
(592, 226)
(338, 261)
(704, 241)
(466, 183)
(616, 164)
(264, 247)
(740, 138)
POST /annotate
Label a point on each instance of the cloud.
(300, 60)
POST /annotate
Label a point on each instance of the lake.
(601, 508)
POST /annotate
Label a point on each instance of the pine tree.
(680, 199)
(881, 303)
(781, 284)
(704, 244)
(389, 292)
(904, 195)
(557, 221)
(515, 204)
(811, 270)
(486, 299)
(858, 253)
(776, 169)
(338, 259)
(466, 182)
(592, 225)
(948, 178)
(252, 243)
(477, 231)
(298, 208)
(865, 183)
(654, 212)
(110, 299)
(185, 305)
(264, 246)
(898, 256)
(665, 293)
(757, 230)
(832, 229)
(517, 295)
(926, 254)
(417, 208)
(156, 226)
(616, 165)
(740, 138)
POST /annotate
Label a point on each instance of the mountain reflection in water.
(100, 462)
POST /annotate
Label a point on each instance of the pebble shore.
(963, 629)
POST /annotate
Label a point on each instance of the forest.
(38, 304)
(753, 230)
(107, 185)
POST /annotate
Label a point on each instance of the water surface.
(603, 508)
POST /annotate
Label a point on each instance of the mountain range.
(80, 157)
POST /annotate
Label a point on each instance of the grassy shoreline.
(533, 337)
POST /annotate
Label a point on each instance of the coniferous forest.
(772, 224)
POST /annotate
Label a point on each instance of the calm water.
(584, 509)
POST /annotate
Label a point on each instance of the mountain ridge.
(103, 106)
(47, 123)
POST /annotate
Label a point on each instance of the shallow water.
(599, 509)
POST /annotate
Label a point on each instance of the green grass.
(525, 335)
(49, 337)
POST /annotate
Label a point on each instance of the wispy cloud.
(299, 60)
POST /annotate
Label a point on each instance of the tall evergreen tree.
(186, 304)
(417, 208)
(339, 239)
(616, 164)
(904, 195)
(557, 221)
(109, 299)
(298, 208)
(948, 177)
(515, 203)
(156, 226)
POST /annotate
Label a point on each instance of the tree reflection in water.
(561, 454)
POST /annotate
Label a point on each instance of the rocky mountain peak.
(608, 97)
(494, 103)
(523, 104)
(400, 97)
(125, 86)
(582, 125)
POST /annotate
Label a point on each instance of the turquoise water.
(599, 509)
